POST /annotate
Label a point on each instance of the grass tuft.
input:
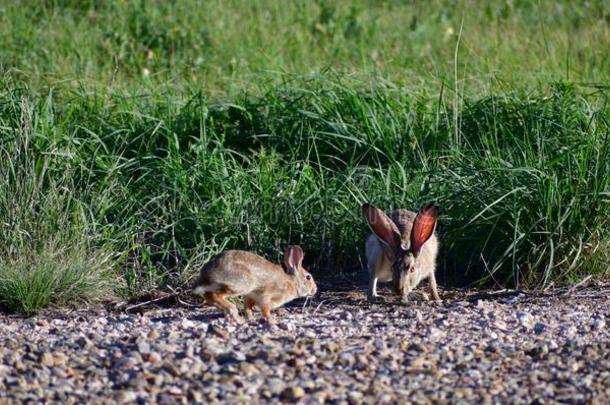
(50, 252)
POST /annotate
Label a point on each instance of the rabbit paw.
(375, 299)
(413, 296)
(235, 317)
(268, 323)
(436, 298)
(406, 299)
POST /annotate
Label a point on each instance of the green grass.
(262, 125)
(50, 254)
(223, 46)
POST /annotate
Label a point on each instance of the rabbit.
(402, 248)
(259, 281)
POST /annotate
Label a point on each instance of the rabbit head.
(402, 252)
(293, 266)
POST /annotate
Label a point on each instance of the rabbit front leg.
(433, 288)
(265, 307)
(248, 306)
(372, 291)
(378, 267)
(372, 295)
(407, 295)
(412, 281)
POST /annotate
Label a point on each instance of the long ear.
(382, 226)
(293, 257)
(423, 227)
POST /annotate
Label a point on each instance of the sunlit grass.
(137, 139)
(523, 187)
(224, 46)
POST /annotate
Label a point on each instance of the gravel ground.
(490, 347)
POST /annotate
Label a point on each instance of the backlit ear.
(423, 227)
(293, 257)
(382, 226)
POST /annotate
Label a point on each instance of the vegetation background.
(137, 138)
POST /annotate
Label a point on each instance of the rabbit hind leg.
(218, 299)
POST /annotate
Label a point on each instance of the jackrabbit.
(402, 249)
(260, 282)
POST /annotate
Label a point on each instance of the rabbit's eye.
(308, 277)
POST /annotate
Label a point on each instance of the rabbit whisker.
(305, 303)
(318, 307)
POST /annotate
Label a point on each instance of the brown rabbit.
(402, 249)
(259, 281)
